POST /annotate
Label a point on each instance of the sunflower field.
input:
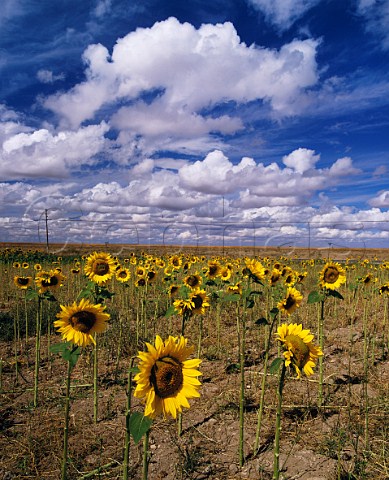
(150, 364)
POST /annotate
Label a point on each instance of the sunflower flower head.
(123, 275)
(299, 351)
(100, 267)
(184, 307)
(256, 268)
(292, 300)
(22, 282)
(49, 281)
(332, 276)
(79, 322)
(384, 289)
(167, 378)
(200, 301)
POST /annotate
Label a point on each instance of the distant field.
(123, 249)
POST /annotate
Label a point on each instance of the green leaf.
(335, 293)
(255, 292)
(105, 293)
(170, 311)
(315, 297)
(59, 347)
(275, 365)
(255, 279)
(250, 303)
(31, 294)
(49, 296)
(68, 351)
(274, 311)
(71, 356)
(134, 370)
(139, 425)
(261, 321)
(234, 297)
(86, 293)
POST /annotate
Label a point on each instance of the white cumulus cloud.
(189, 69)
(283, 13)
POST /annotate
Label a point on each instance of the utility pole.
(47, 231)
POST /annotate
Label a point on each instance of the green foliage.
(68, 351)
(95, 293)
(275, 365)
(139, 425)
(334, 293)
(315, 297)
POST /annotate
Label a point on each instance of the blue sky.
(234, 122)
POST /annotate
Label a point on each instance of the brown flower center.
(53, 281)
(22, 281)
(299, 349)
(100, 268)
(198, 301)
(331, 274)
(192, 281)
(166, 376)
(290, 302)
(213, 269)
(83, 321)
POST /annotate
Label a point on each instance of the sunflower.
(200, 301)
(100, 267)
(22, 282)
(367, 279)
(141, 282)
(175, 261)
(299, 350)
(301, 276)
(235, 289)
(16, 265)
(151, 276)
(184, 307)
(332, 276)
(193, 281)
(78, 323)
(292, 300)
(167, 378)
(213, 269)
(384, 289)
(173, 290)
(140, 272)
(47, 281)
(123, 275)
(225, 273)
(25, 265)
(256, 268)
(275, 276)
(38, 267)
(290, 279)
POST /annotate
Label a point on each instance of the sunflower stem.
(95, 373)
(200, 336)
(37, 349)
(263, 385)
(16, 322)
(128, 415)
(26, 322)
(179, 424)
(145, 464)
(276, 471)
(242, 389)
(321, 345)
(66, 426)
